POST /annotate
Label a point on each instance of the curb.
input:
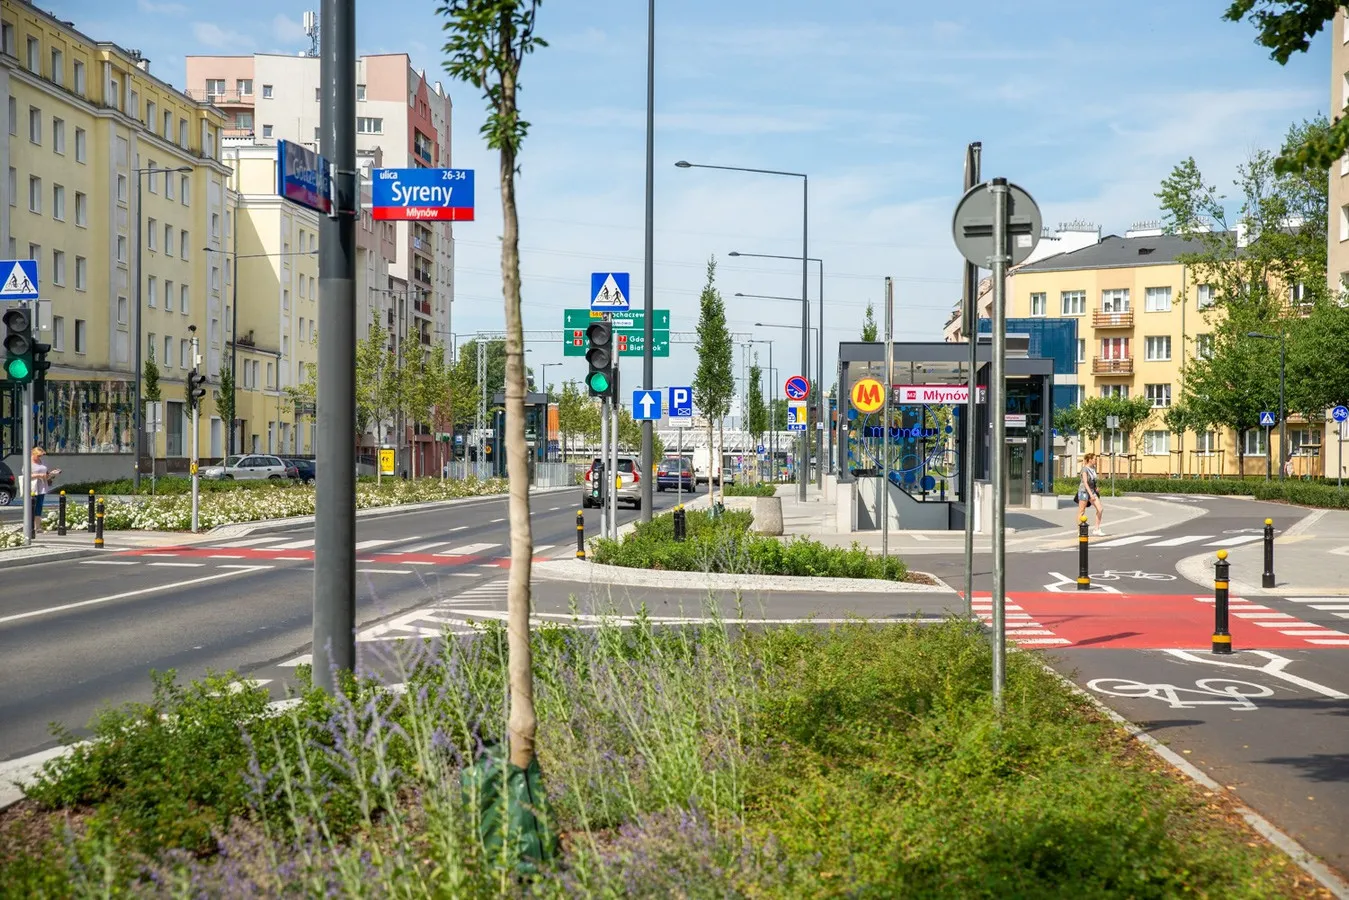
(1262, 826)
(55, 556)
(587, 572)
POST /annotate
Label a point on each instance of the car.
(630, 481)
(304, 469)
(249, 467)
(9, 486)
(675, 474)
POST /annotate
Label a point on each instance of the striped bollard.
(61, 515)
(1222, 638)
(580, 534)
(1083, 567)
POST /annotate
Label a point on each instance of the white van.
(704, 471)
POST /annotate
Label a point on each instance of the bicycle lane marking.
(1234, 693)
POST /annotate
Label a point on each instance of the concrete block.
(767, 513)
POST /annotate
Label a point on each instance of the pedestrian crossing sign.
(18, 279)
(1267, 418)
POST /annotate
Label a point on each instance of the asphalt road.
(78, 634)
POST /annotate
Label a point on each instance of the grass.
(723, 543)
(857, 761)
(1321, 494)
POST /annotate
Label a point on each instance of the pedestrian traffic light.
(18, 345)
(40, 367)
(600, 357)
(196, 388)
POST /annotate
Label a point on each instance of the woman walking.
(40, 485)
(1087, 493)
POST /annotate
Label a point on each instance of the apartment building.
(1337, 240)
(403, 121)
(95, 146)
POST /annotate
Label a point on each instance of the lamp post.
(772, 416)
(140, 339)
(804, 474)
(820, 458)
(1282, 338)
(819, 367)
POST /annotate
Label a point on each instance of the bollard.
(91, 510)
(1222, 639)
(680, 523)
(580, 534)
(1083, 572)
(1267, 577)
(98, 526)
(61, 515)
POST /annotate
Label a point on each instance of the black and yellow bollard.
(91, 510)
(1083, 569)
(1222, 638)
(680, 523)
(1267, 577)
(61, 515)
(98, 525)
(580, 534)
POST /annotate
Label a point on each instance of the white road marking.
(423, 548)
(458, 528)
(1263, 615)
(1124, 541)
(224, 556)
(1186, 539)
(295, 545)
(1274, 667)
(251, 542)
(374, 542)
(386, 571)
(242, 566)
(179, 565)
(124, 595)
(1283, 623)
(1232, 541)
(495, 521)
(1341, 642)
(1330, 606)
(1314, 632)
(304, 660)
(1045, 641)
(467, 550)
(291, 559)
(129, 562)
(544, 547)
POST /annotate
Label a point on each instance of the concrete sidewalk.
(1311, 559)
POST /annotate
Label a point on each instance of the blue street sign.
(797, 387)
(609, 292)
(303, 177)
(1267, 418)
(681, 403)
(760, 449)
(1340, 413)
(645, 405)
(796, 416)
(18, 279)
(421, 195)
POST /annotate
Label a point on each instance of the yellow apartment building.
(94, 145)
(1141, 317)
(1337, 241)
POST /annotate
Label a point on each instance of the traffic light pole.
(604, 467)
(196, 418)
(28, 462)
(614, 475)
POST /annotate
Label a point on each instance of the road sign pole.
(997, 403)
(604, 466)
(647, 461)
(1339, 472)
(28, 523)
(971, 316)
(196, 420)
(887, 385)
(614, 475)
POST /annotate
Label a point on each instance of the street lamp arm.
(814, 259)
(682, 164)
(767, 297)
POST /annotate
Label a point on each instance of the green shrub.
(1302, 493)
(751, 490)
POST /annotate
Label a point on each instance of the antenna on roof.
(311, 30)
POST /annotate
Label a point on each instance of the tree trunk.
(523, 721)
(711, 445)
(721, 460)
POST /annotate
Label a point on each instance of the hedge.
(1300, 493)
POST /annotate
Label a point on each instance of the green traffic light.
(17, 369)
(599, 382)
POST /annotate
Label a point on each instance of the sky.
(1085, 105)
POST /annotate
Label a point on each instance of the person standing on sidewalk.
(40, 485)
(1087, 494)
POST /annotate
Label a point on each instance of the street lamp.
(772, 411)
(819, 363)
(805, 304)
(140, 280)
(1282, 338)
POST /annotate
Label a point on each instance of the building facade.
(113, 180)
(1338, 239)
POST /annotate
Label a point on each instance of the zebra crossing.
(411, 551)
(1021, 626)
(1248, 536)
(1288, 624)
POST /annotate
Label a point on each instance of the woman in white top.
(1087, 494)
(40, 485)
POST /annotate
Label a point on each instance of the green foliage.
(577, 414)
(751, 490)
(1317, 494)
(226, 403)
(150, 379)
(1089, 418)
(869, 330)
(714, 379)
(488, 41)
(757, 408)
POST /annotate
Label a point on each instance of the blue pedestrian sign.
(645, 405)
(609, 292)
(681, 403)
(1340, 413)
(1267, 418)
(19, 279)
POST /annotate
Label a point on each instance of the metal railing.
(1103, 319)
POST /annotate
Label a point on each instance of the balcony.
(221, 98)
(1102, 319)
(1101, 366)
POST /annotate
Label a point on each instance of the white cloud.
(217, 38)
(147, 6)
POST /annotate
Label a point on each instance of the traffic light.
(18, 345)
(600, 357)
(196, 388)
(40, 367)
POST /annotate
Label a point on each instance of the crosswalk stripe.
(1342, 642)
(1124, 541)
(251, 542)
(424, 548)
(386, 571)
(294, 545)
(1314, 632)
(467, 550)
(1179, 541)
(1330, 606)
(373, 542)
(1233, 541)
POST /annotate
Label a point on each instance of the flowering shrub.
(174, 513)
(11, 537)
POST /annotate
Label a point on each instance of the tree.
(1318, 370)
(577, 414)
(150, 394)
(225, 400)
(376, 383)
(489, 40)
(1179, 418)
(714, 379)
(758, 409)
(869, 331)
(424, 388)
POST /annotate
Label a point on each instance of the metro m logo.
(867, 396)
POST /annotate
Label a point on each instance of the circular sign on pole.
(867, 395)
(797, 387)
(1340, 413)
(972, 225)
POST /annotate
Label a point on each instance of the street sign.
(632, 319)
(797, 387)
(609, 291)
(972, 225)
(422, 195)
(796, 415)
(681, 403)
(574, 342)
(645, 405)
(19, 279)
(1267, 418)
(387, 463)
(1112, 422)
(1340, 413)
(303, 177)
(867, 396)
(760, 449)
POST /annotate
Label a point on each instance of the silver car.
(251, 467)
(630, 480)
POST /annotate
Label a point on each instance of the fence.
(545, 475)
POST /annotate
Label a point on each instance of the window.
(1115, 390)
(1206, 443)
(81, 209)
(7, 38)
(121, 310)
(35, 125)
(152, 292)
(121, 188)
(34, 194)
(35, 55)
(369, 125)
(1297, 295)
(59, 268)
(59, 333)
(59, 136)
(168, 185)
(318, 133)
(215, 87)
(184, 238)
(266, 131)
(81, 145)
(81, 328)
(13, 187)
(184, 300)
(184, 354)
(317, 94)
(13, 115)
(58, 72)
(1073, 303)
(168, 240)
(1157, 443)
(1115, 300)
(1157, 299)
(59, 202)
(152, 179)
(1304, 442)
(78, 70)
(215, 225)
(134, 104)
(1115, 348)
(152, 234)
(1203, 346)
(1115, 442)
(270, 382)
(151, 110)
(121, 248)
(285, 299)
(184, 190)
(1039, 304)
(1157, 348)
(245, 86)
(1159, 395)
(81, 273)
(182, 133)
(266, 92)
(168, 125)
(1081, 350)
(151, 345)
(360, 92)
(1206, 295)
(1253, 442)
(168, 295)
(168, 352)
(34, 251)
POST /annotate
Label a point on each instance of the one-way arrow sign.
(645, 405)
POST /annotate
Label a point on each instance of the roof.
(1115, 252)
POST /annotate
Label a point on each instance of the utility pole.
(334, 646)
(888, 387)
(647, 457)
(997, 404)
(970, 315)
(196, 422)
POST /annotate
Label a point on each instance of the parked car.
(304, 469)
(9, 486)
(675, 473)
(629, 490)
(253, 467)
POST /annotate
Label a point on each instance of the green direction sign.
(574, 342)
(581, 318)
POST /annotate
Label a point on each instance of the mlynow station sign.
(935, 394)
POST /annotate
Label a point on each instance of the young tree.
(758, 409)
(1178, 419)
(869, 330)
(225, 400)
(376, 384)
(577, 414)
(714, 379)
(488, 41)
(150, 394)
